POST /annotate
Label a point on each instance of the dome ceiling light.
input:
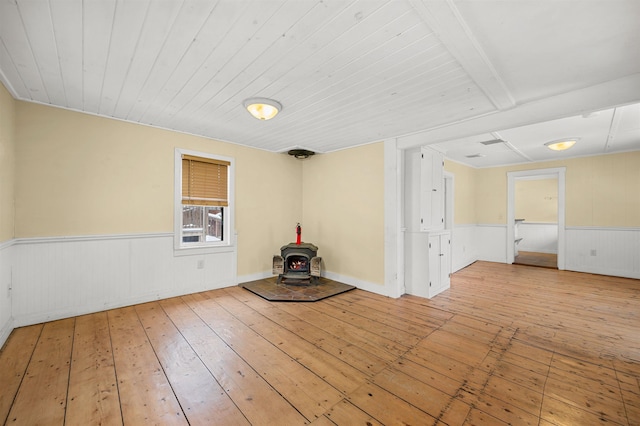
(262, 108)
(562, 144)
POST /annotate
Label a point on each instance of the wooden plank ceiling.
(346, 72)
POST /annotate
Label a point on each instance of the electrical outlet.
(201, 264)
(593, 252)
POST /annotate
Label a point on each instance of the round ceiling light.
(262, 108)
(562, 144)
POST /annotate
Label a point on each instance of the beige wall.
(464, 202)
(537, 200)
(604, 190)
(78, 174)
(7, 159)
(343, 210)
(600, 191)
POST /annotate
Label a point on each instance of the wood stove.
(297, 263)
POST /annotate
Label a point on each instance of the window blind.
(204, 181)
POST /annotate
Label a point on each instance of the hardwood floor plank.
(93, 389)
(514, 394)
(504, 345)
(378, 327)
(201, 398)
(258, 401)
(14, 359)
(456, 347)
(354, 355)
(42, 396)
(586, 399)
(345, 413)
(419, 394)
(560, 412)
(441, 363)
(333, 370)
(502, 410)
(146, 395)
(379, 316)
(521, 371)
(388, 408)
(427, 375)
(381, 347)
(308, 393)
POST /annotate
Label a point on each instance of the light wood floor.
(505, 345)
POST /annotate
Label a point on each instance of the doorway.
(540, 233)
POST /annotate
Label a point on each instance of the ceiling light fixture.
(301, 154)
(561, 145)
(262, 108)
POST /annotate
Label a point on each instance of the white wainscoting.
(6, 318)
(538, 237)
(61, 277)
(607, 251)
(464, 246)
(491, 242)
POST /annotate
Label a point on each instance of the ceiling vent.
(475, 156)
(492, 142)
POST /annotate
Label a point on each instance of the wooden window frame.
(211, 246)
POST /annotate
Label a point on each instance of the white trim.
(559, 173)
(449, 199)
(393, 214)
(602, 228)
(228, 227)
(361, 284)
(76, 238)
(7, 244)
(6, 330)
(255, 277)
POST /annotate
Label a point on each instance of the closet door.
(431, 190)
(439, 263)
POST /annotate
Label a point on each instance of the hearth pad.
(269, 289)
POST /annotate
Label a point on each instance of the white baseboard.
(254, 277)
(361, 284)
(5, 331)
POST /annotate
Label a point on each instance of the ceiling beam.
(619, 92)
(445, 20)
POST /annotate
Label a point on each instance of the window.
(203, 200)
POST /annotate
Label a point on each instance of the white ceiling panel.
(347, 72)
